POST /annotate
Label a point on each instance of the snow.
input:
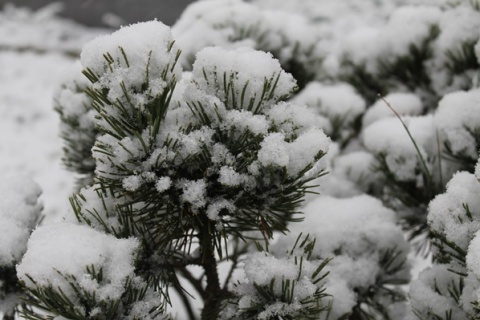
(150, 49)
(245, 120)
(260, 268)
(339, 103)
(132, 70)
(357, 166)
(248, 70)
(405, 104)
(428, 293)
(408, 25)
(194, 193)
(215, 22)
(447, 213)
(273, 151)
(30, 126)
(360, 45)
(163, 184)
(132, 183)
(354, 231)
(234, 23)
(290, 117)
(458, 118)
(49, 260)
(193, 142)
(340, 231)
(304, 150)
(388, 136)
(215, 207)
(229, 177)
(19, 213)
(459, 25)
(42, 30)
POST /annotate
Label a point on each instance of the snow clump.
(46, 264)
(339, 103)
(455, 217)
(388, 139)
(458, 120)
(359, 233)
(405, 104)
(19, 213)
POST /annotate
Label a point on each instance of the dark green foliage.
(88, 305)
(368, 85)
(462, 59)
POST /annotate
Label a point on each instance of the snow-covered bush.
(179, 178)
(457, 118)
(97, 282)
(20, 211)
(369, 254)
(421, 49)
(291, 38)
(409, 168)
(449, 290)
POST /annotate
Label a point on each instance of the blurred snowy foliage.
(22, 29)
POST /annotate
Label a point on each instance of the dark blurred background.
(101, 13)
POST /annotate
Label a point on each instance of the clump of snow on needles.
(263, 270)
(426, 294)
(131, 56)
(59, 250)
(408, 25)
(19, 213)
(248, 69)
(458, 119)
(339, 103)
(215, 22)
(448, 211)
